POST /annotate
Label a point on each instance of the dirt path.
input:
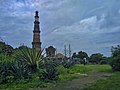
(80, 83)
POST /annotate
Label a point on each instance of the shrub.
(115, 63)
(4, 72)
(20, 70)
(14, 70)
(6, 49)
(96, 58)
(62, 70)
(50, 73)
(68, 64)
(6, 59)
(103, 62)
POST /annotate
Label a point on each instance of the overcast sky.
(89, 25)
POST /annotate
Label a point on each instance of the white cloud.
(88, 25)
(84, 35)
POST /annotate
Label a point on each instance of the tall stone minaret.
(36, 44)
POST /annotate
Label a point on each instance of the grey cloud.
(87, 26)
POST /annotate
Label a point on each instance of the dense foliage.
(20, 70)
(6, 49)
(80, 55)
(31, 57)
(4, 72)
(16, 70)
(50, 72)
(68, 64)
(115, 63)
(79, 58)
(98, 58)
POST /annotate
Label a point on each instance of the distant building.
(50, 51)
(60, 56)
(36, 44)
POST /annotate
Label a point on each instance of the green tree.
(96, 58)
(115, 51)
(82, 55)
(20, 48)
(6, 49)
(74, 55)
(115, 62)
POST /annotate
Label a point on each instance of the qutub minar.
(36, 44)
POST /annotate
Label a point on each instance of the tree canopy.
(115, 63)
(6, 49)
(96, 58)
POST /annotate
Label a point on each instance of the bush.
(115, 63)
(6, 49)
(20, 70)
(50, 73)
(62, 70)
(68, 64)
(6, 59)
(103, 62)
(15, 70)
(96, 58)
(4, 72)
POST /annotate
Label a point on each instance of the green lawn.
(89, 68)
(111, 83)
(66, 75)
(69, 74)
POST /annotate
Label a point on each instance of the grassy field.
(111, 83)
(69, 74)
(65, 75)
(89, 68)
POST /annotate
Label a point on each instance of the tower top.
(36, 13)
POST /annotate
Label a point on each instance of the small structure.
(50, 52)
(60, 56)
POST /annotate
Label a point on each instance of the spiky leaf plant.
(20, 70)
(31, 57)
(50, 72)
(4, 72)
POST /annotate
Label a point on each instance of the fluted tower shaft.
(36, 44)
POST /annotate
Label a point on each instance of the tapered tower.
(36, 44)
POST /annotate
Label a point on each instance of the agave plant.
(6, 59)
(50, 72)
(20, 70)
(31, 57)
(4, 72)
